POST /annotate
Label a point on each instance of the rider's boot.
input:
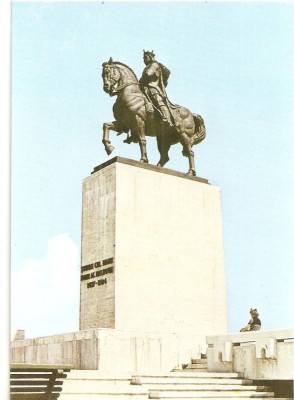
(166, 117)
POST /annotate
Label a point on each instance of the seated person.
(254, 324)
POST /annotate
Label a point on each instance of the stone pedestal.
(152, 251)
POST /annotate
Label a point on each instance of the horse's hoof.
(144, 160)
(161, 163)
(191, 172)
(109, 149)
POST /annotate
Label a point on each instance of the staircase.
(190, 382)
(95, 385)
(197, 365)
(202, 385)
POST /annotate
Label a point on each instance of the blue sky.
(232, 63)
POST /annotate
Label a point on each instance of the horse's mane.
(124, 65)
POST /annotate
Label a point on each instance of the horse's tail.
(200, 131)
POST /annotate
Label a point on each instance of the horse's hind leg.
(192, 170)
(143, 149)
(188, 152)
(163, 148)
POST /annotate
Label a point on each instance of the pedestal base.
(111, 350)
(152, 251)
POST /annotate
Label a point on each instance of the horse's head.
(117, 76)
(110, 76)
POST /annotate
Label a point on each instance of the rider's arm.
(151, 73)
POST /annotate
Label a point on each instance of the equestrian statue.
(142, 109)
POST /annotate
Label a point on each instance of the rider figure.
(153, 82)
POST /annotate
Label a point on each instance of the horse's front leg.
(109, 126)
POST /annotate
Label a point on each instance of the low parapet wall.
(110, 350)
(258, 355)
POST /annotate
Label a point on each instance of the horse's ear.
(110, 60)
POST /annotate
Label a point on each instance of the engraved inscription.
(97, 264)
(97, 273)
(94, 283)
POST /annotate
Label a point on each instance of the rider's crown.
(149, 53)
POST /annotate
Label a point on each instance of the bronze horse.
(132, 115)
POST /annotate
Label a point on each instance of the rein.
(121, 87)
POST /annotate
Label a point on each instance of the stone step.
(230, 398)
(142, 380)
(205, 387)
(189, 369)
(199, 361)
(78, 380)
(75, 390)
(102, 396)
(95, 385)
(100, 375)
(196, 364)
(196, 374)
(204, 394)
(102, 382)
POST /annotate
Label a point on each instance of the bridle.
(115, 91)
